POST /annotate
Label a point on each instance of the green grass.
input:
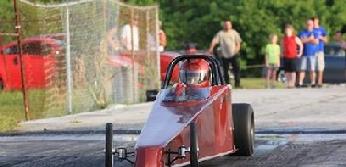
(257, 83)
(12, 110)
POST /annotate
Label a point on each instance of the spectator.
(130, 35)
(151, 42)
(308, 60)
(339, 40)
(229, 40)
(162, 38)
(113, 41)
(322, 39)
(290, 56)
(272, 60)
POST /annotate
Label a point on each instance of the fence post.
(157, 31)
(68, 62)
(20, 50)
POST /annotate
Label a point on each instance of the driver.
(195, 73)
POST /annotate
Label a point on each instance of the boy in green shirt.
(272, 60)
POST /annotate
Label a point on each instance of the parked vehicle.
(39, 61)
(165, 59)
(335, 64)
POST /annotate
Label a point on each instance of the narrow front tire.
(193, 146)
(109, 145)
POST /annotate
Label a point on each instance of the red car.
(39, 61)
(165, 59)
(191, 121)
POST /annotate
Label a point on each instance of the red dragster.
(192, 120)
(39, 61)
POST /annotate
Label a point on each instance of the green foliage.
(141, 2)
(6, 19)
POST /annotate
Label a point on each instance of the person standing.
(229, 40)
(272, 60)
(339, 40)
(130, 35)
(308, 60)
(162, 38)
(322, 39)
(290, 55)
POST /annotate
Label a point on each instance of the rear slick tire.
(244, 129)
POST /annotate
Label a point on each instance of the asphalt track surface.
(308, 150)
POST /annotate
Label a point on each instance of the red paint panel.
(13, 72)
(34, 71)
(149, 156)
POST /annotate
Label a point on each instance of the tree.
(6, 19)
(141, 2)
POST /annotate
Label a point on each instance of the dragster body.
(167, 127)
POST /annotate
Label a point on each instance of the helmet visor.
(192, 77)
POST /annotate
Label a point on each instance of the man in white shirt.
(130, 35)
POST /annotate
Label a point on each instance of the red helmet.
(195, 73)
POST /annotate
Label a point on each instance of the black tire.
(244, 129)
(151, 94)
(109, 145)
(1, 85)
(193, 146)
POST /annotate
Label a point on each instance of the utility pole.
(20, 51)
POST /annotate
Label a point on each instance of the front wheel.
(109, 145)
(193, 146)
(244, 129)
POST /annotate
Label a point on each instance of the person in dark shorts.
(289, 45)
